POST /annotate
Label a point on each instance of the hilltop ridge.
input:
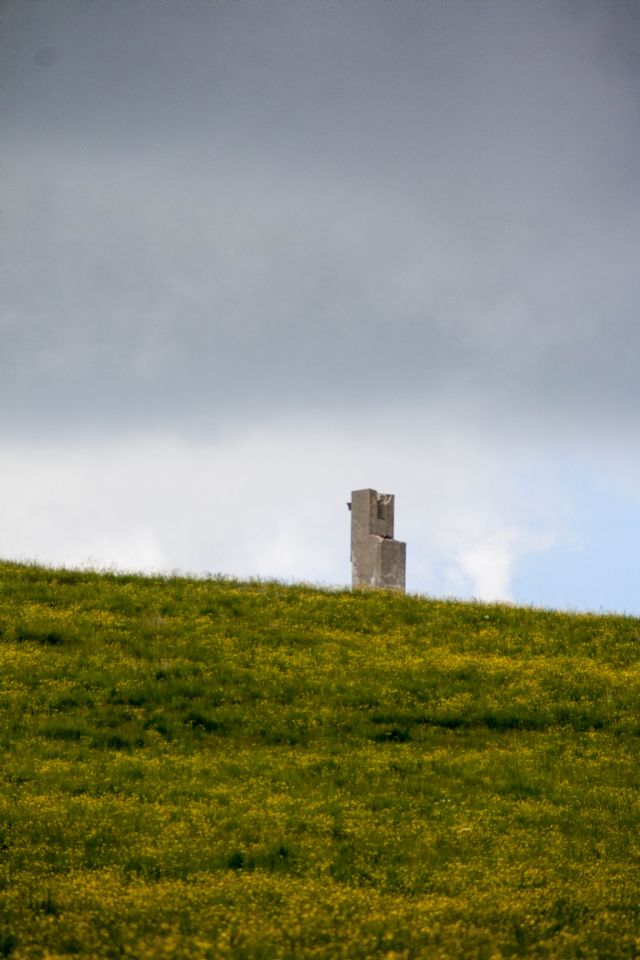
(216, 768)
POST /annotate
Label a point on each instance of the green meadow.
(218, 769)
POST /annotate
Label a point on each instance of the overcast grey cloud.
(234, 220)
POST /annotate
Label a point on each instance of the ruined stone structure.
(377, 560)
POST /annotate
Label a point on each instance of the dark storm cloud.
(239, 207)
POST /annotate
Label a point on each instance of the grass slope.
(207, 769)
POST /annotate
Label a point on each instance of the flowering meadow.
(215, 769)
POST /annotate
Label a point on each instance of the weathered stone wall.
(377, 560)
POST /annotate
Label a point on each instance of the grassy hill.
(207, 769)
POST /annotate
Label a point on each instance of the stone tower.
(377, 560)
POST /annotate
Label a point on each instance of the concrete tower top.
(377, 559)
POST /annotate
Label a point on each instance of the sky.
(259, 253)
